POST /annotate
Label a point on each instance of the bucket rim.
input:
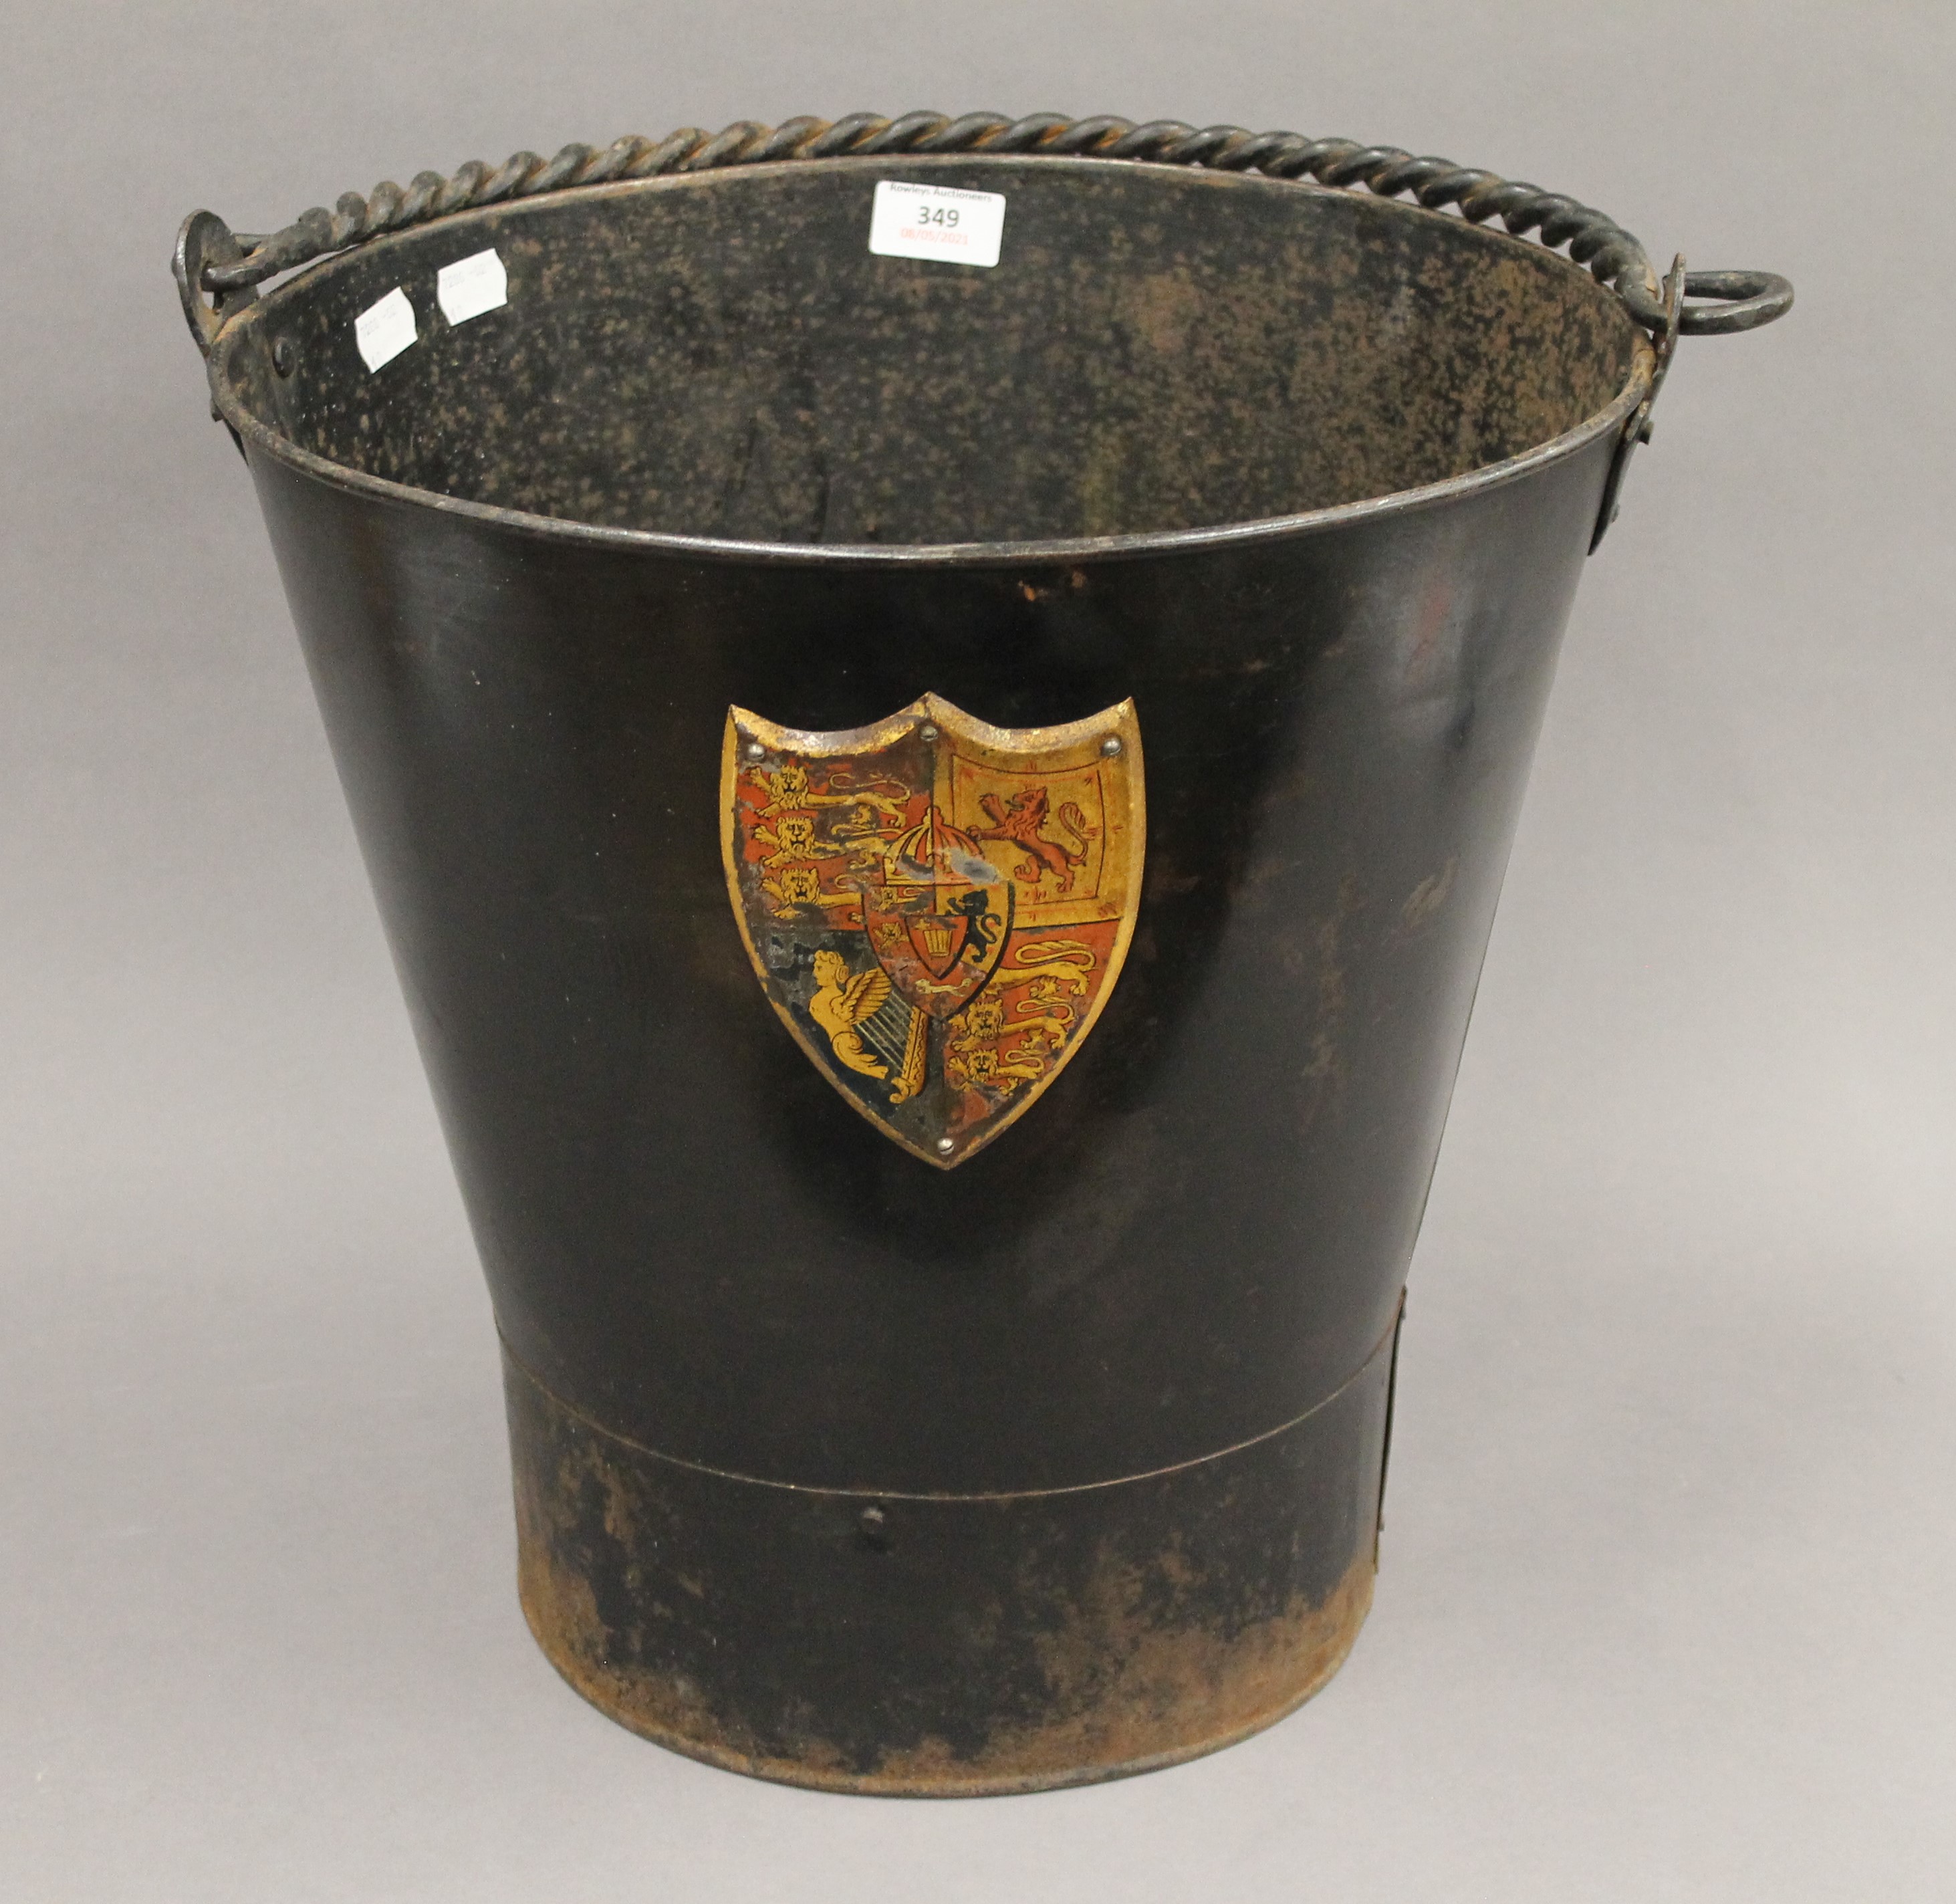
(255, 434)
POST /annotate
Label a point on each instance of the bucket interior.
(1157, 350)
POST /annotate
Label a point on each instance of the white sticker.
(385, 329)
(937, 222)
(472, 286)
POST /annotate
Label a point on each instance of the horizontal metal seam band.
(902, 1494)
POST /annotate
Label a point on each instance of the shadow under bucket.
(938, 820)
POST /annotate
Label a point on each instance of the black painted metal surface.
(1308, 477)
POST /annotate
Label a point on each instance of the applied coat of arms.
(937, 908)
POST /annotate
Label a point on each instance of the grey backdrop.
(1666, 1604)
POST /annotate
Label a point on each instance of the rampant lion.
(1021, 821)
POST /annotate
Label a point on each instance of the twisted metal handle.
(212, 259)
(1742, 301)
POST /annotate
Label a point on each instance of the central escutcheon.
(938, 908)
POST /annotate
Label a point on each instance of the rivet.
(945, 1146)
(285, 359)
(1111, 746)
(756, 751)
(927, 732)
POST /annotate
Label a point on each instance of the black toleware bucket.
(935, 708)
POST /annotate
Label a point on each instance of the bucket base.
(947, 1646)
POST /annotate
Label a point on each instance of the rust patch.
(1134, 1680)
(1426, 900)
(1129, 1695)
(1328, 1070)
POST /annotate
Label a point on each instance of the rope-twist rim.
(1590, 237)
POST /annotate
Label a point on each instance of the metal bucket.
(936, 709)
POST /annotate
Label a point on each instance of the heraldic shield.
(937, 908)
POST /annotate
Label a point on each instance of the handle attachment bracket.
(1736, 301)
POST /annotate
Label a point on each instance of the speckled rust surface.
(947, 1646)
(720, 354)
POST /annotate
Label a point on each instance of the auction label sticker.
(385, 329)
(471, 286)
(937, 222)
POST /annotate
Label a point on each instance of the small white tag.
(472, 286)
(937, 222)
(385, 329)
